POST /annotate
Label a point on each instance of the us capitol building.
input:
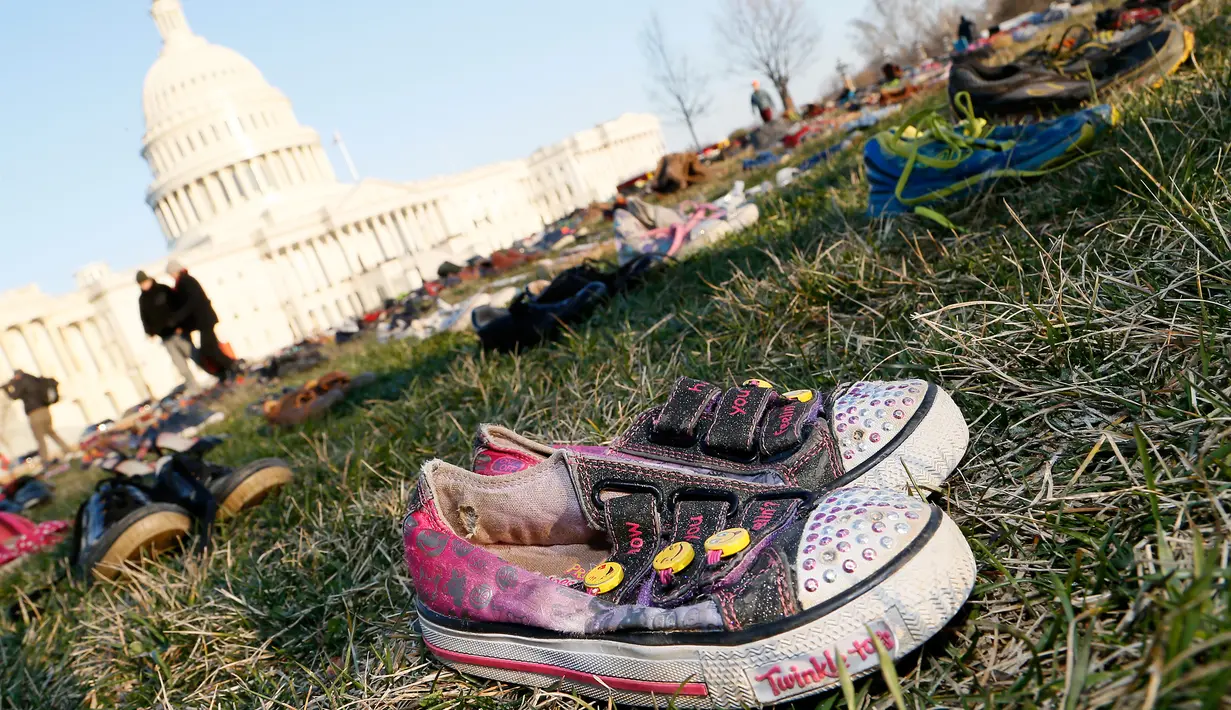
(248, 201)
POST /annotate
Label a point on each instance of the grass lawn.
(1082, 322)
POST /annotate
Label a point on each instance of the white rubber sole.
(928, 455)
(907, 608)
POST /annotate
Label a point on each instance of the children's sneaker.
(928, 158)
(646, 583)
(235, 489)
(872, 434)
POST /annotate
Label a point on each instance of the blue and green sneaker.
(929, 159)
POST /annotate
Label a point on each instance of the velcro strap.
(784, 425)
(734, 429)
(695, 520)
(766, 515)
(679, 416)
(633, 527)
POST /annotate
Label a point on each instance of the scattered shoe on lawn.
(928, 159)
(314, 398)
(1068, 77)
(234, 489)
(635, 582)
(873, 434)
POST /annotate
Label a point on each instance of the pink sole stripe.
(634, 686)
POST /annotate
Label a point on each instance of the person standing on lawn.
(762, 102)
(194, 312)
(966, 30)
(37, 394)
(157, 304)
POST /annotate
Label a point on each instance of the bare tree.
(678, 86)
(775, 38)
(898, 30)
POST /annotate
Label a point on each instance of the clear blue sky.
(417, 89)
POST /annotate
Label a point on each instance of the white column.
(181, 224)
(309, 164)
(388, 241)
(403, 230)
(288, 264)
(301, 170)
(267, 171)
(198, 202)
(162, 220)
(214, 187)
(243, 171)
(335, 260)
(258, 172)
(185, 210)
(314, 255)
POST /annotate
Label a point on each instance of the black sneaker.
(138, 509)
(530, 320)
(1062, 80)
(234, 489)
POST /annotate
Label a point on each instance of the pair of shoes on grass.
(929, 159)
(312, 400)
(146, 508)
(543, 307)
(1075, 71)
(735, 547)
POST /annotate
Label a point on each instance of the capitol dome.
(220, 141)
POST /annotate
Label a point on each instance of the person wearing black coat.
(196, 313)
(158, 304)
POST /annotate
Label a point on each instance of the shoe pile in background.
(729, 550)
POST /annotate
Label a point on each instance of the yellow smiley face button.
(674, 557)
(604, 577)
(761, 384)
(799, 395)
(725, 543)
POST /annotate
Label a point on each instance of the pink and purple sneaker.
(873, 434)
(642, 580)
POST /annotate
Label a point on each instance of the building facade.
(247, 199)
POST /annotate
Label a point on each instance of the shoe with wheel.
(871, 434)
(645, 583)
(141, 508)
(121, 520)
(235, 489)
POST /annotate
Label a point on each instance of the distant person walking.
(37, 394)
(194, 312)
(966, 30)
(158, 304)
(762, 102)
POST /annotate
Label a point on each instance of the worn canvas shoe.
(872, 434)
(645, 583)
